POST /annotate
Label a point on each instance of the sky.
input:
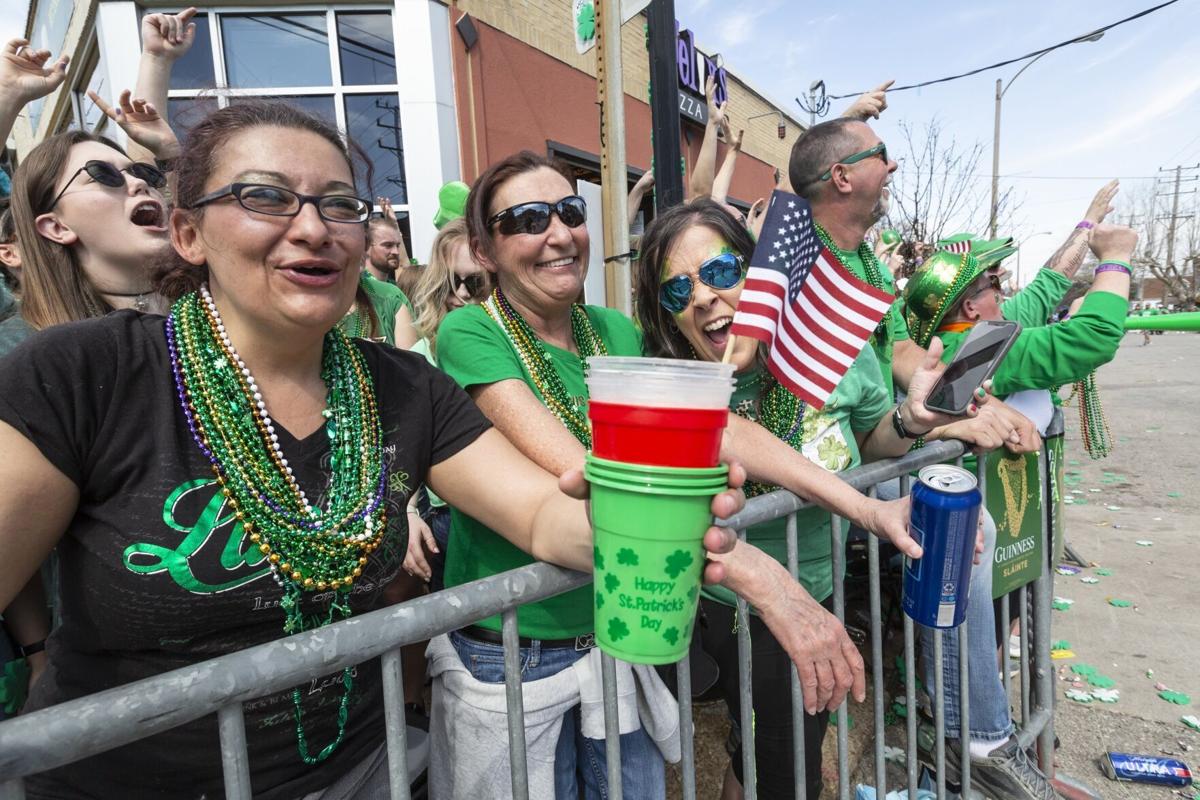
(1124, 106)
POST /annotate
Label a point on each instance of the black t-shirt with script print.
(157, 574)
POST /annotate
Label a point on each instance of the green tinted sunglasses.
(878, 150)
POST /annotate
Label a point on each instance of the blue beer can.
(945, 516)
(1145, 769)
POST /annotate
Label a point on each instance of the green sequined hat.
(934, 288)
(452, 203)
(988, 252)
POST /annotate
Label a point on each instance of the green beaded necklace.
(308, 548)
(782, 413)
(536, 361)
(870, 263)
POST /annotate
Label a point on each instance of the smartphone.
(975, 362)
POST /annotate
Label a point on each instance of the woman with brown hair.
(137, 444)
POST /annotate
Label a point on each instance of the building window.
(338, 64)
(84, 114)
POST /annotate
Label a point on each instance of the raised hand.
(716, 111)
(735, 142)
(1102, 203)
(1113, 242)
(24, 76)
(168, 36)
(385, 208)
(141, 122)
(869, 105)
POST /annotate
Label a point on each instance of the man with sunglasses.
(383, 262)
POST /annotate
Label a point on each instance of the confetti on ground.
(1112, 601)
(1107, 695)
(1104, 571)
(1089, 579)
(1161, 687)
(1073, 463)
(1095, 491)
(1083, 669)
(1149, 673)
(1058, 654)
(1144, 543)
(894, 754)
(1079, 696)
(1061, 644)
(1101, 681)
(1113, 508)
(1178, 698)
(1061, 604)
(1172, 494)
(1077, 491)
(1063, 569)
(1192, 721)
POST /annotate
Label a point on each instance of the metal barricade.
(90, 725)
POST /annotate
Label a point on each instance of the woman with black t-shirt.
(238, 470)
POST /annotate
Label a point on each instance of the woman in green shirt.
(688, 283)
(520, 356)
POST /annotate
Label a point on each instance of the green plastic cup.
(648, 560)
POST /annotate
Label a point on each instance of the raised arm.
(720, 190)
(705, 169)
(633, 203)
(24, 77)
(1069, 257)
(165, 39)
(869, 105)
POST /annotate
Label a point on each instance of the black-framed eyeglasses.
(476, 284)
(719, 272)
(878, 150)
(112, 176)
(279, 202)
(535, 217)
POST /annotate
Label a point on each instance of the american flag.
(958, 248)
(812, 312)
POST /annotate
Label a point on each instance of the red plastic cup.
(664, 437)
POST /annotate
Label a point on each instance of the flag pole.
(725, 359)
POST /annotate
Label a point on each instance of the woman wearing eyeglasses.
(238, 470)
(689, 279)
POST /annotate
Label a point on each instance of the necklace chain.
(307, 548)
(537, 363)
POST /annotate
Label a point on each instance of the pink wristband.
(1087, 226)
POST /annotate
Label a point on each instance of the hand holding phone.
(976, 361)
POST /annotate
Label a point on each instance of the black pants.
(771, 681)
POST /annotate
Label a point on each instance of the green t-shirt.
(856, 405)
(474, 351)
(896, 327)
(1055, 355)
(1033, 305)
(386, 299)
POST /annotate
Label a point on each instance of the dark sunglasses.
(878, 150)
(535, 217)
(279, 202)
(476, 284)
(110, 175)
(993, 285)
(719, 272)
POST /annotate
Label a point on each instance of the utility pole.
(614, 183)
(1171, 227)
(664, 104)
(996, 162)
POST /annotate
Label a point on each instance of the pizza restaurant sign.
(694, 68)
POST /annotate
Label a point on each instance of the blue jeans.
(577, 759)
(990, 719)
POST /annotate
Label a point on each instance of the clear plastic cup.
(659, 382)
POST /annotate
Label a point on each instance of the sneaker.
(1007, 773)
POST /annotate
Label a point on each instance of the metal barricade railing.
(91, 725)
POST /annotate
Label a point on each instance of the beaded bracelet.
(1085, 225)
(1114, 266)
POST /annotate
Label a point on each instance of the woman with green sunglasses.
(689, 280)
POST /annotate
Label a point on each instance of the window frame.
(338, 90)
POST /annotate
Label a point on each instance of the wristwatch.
(901, 431)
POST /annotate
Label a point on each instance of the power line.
(1034, 54)
(1019, 177)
